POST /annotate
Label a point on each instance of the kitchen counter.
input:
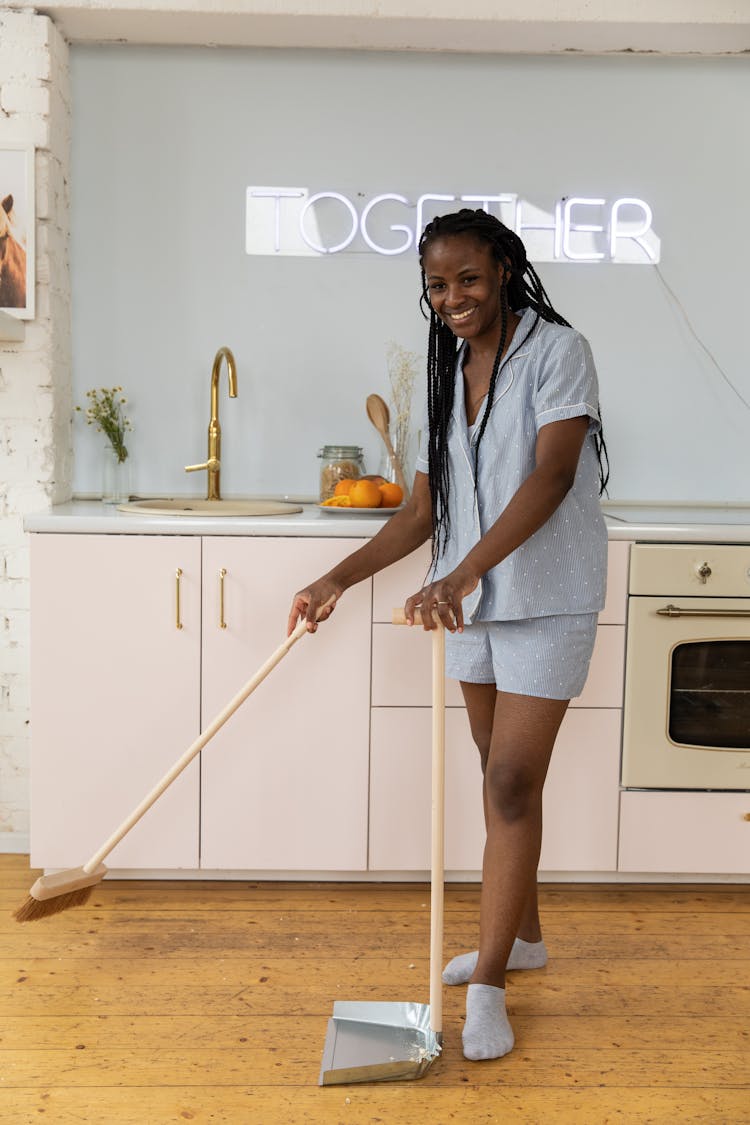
(93, 517)
(626, 520)
(677, 522)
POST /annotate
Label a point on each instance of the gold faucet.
(213, 464)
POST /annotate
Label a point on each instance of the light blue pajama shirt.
(548, 375)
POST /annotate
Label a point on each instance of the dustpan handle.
(437, 861)
(437, 830)
(195, 748)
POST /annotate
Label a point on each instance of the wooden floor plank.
(392, 940)
(527, 1066)
(226, 1032)
(272, 986)
(389, 1104)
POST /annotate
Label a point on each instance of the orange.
(344, 487)
(365, 494)
(336, 502)
(392, 494)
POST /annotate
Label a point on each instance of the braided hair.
(523, 289)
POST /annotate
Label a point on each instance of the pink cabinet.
(684, 832)
(115, 696)
(124, 676)
(325, 768)
(581, 798)
(400, 794)
(581, 793)
(284, 784)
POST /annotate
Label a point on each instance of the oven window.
(709, 698)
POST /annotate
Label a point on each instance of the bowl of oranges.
(368, 495)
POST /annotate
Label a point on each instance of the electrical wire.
(698, 340)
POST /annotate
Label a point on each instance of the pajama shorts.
(543, 656)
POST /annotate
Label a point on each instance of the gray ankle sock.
(523, 955)
(487, 1033)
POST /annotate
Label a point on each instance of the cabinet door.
(401, 791)
(685, 833)
(580, 796)
(581, 793)
(115, 691)
(284, 783)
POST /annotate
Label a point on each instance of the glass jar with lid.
(339, 462)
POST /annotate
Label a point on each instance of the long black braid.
(522, 290)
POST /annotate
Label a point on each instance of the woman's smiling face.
(464, 283)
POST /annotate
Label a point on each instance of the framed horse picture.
(17, 218)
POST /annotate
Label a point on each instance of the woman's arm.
(558, 448)
(406, 530)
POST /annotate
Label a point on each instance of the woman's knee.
(513, 790)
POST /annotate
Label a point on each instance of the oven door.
(687, 694)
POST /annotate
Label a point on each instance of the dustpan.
(370, 1041)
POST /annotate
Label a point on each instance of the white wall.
(166, 141)
(35, 424)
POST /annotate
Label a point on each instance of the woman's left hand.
(442, 601)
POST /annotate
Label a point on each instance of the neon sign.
(287, 221)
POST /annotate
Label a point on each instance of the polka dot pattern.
(543, 656)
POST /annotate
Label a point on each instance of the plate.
(359, 511)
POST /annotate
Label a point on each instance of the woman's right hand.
(315, 603)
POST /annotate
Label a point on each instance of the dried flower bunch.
(105, 412)
(402, 372)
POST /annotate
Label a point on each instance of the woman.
(507, 487)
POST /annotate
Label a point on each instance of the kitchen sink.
(187, 506)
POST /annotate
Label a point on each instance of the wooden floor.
(208, 1002)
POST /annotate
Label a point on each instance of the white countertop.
(94, 517)
(626, 520)
(675, 522)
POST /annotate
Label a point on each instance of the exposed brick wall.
(36, 449)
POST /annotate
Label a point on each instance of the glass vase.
(407, 455)
(115, 478)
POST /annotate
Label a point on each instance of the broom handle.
(437, 863)
(437, 833)
(196, 748)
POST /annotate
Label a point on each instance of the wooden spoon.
(379, 415)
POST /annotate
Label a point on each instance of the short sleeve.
(567, 384)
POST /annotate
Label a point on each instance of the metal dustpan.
(371, 1041)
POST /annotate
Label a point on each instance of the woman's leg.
(523, 735)
(528, 951)
(480, 702)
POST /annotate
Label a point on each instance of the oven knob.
(704, 572)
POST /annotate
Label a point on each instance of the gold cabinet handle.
(222, 576)
(178, 576)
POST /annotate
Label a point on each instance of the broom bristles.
(53, 893)
(32, 909)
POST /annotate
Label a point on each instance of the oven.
(687, 668)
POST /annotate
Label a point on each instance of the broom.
(52, 894)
